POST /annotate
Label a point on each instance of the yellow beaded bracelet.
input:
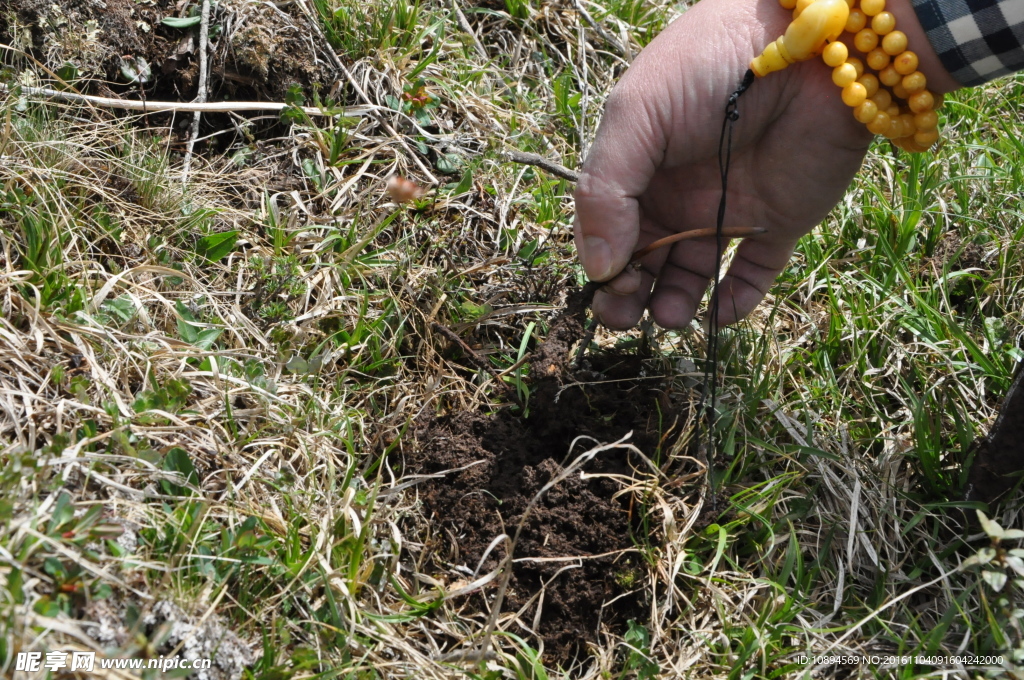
(892, 98)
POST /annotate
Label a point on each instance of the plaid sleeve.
(976, 40)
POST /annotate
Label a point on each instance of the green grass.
(208, 388)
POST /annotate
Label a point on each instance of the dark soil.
(258, 51)
(999, 458)
(511, 460)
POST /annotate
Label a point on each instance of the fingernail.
(596, 257)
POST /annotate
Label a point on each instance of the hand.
(653, 168)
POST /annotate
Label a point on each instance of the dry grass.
(217, 444)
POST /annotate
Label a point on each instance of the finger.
(626, 152)
(620, 304)
(682, 282)
(753, 270)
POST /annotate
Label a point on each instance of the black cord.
(709, 393)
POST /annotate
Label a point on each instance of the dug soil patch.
(575, 562)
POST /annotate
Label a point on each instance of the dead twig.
(543, 163)
(612, 42)
(204, 70)
(474, 357)
(182, 107)
(465, 26)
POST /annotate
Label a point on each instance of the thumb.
(627, 150)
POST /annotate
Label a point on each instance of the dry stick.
(543, 163)
(481, 363)
(612, 42)
(182, 107)
(204, 65)
(465, 25)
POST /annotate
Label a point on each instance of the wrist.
(939, 79)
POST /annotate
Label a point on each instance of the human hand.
(653, 168)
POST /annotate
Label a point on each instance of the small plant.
(638, 663)
(1002, 597)
(170, 396)
(418, 101)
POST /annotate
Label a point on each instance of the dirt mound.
(502, 461)
(258, 50)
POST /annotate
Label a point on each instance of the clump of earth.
(576, 560)
(258, 50)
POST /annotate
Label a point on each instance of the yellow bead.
(854, 94)
(926, 137)
(882, 99)
(857, 64)
(835, 54)
(926, 120)
(893, 110)
(921, 101)
(880, 124)
(907, 123)
(908, 144)
(899, 91)
(844, 74)
(894, 128)
(870, 83)
(915, 82)
(889, 77)
(883, 22)
(905, 63)
(895, 42)
(866, 112)
(801, 5)
(787, 4)
(865, 40)
(872, 7)
(877, 59)
(856, 21)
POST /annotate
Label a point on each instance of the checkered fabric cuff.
(977, 40)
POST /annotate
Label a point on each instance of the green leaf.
(215, 246)
(63, 511)
(450, 163)
(995, 579)
(207, 337)
(990, 526)
(297, 365)
(68, 73)
(136, 70)
(294, 96)
(465, 184)
(177, 460)
(122, 308)
(292, 114)
(181, 22)
(186, 331)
